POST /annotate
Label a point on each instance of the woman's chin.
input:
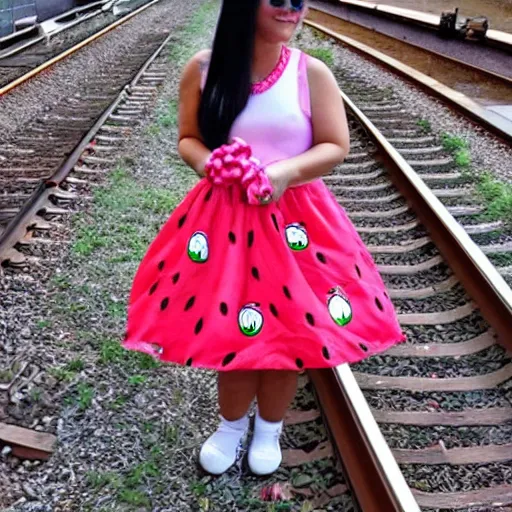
(281, 34)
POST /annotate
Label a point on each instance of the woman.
(259, 292)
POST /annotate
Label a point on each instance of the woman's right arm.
(190, 146)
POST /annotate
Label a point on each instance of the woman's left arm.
(331, 140)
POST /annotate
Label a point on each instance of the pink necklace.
(275, 75)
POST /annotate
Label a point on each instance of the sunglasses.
(294, 5)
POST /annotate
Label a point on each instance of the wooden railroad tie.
(26, 443)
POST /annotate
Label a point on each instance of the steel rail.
(16, 229)
(369, 464)
(70, 51)
(493, 122)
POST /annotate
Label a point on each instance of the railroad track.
(466, 87)
(38, 171)
(26, 59)
(432, 416)
(442, 400)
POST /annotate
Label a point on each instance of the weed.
(424, 124)
(134, 497)
(111, 352)
(171, 435)
(198, 488)
(462, 158)
(323, 54)
(98, 480)
(453, 143)
(498, 196)
(76, 365)
(85, 396)
(68, 371)
(137, 380)
(459, 148)
(35, 394)
(43, 324)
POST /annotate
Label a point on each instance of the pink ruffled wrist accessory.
(234, 163)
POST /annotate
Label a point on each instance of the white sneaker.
(220, 450)
(265, 452)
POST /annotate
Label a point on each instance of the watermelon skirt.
(287, 286)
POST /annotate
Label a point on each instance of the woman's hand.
(280, 175)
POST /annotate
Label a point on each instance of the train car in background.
(16, 15)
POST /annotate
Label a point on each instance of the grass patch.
(120, 211)
(130, 488)
(137, 380)
(85, 396)
(498, 196)
(453, 143)
(459, 148)
(111, 352)
(67, 372)
(181, 52)
(324, 54)
(425, 125)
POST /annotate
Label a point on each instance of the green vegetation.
(498, 196)
(68, 371)
(458, 147)
(424, 124)
(119, 211)
(181, 52)
(324, 54)
(111, 352)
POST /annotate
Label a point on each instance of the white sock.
(265, 451)
(220, 450)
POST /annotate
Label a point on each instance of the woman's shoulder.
(318, 71)
(201, 59)
(195, 68)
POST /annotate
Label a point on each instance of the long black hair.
(228, 85)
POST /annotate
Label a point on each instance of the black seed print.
(255, 273)
(228, 358)
(379, 304)
(153, 288)
(164, 303)
(189, 362)
(190, 303)
(274, 220)
(224, 308)
(199, 326)
(320, 257)
(273, 310)
(250, 238)
(208, 195)
(358, 270)
(299, 363)
(286, 291)
(175, 278)
(325, 353)
(303, 224)
(182, 220)
(161, 265)
(232, 237)
(363, 347)
(310, 319)
(386, 295)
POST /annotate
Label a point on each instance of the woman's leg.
(275, 392)
(236, 392)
